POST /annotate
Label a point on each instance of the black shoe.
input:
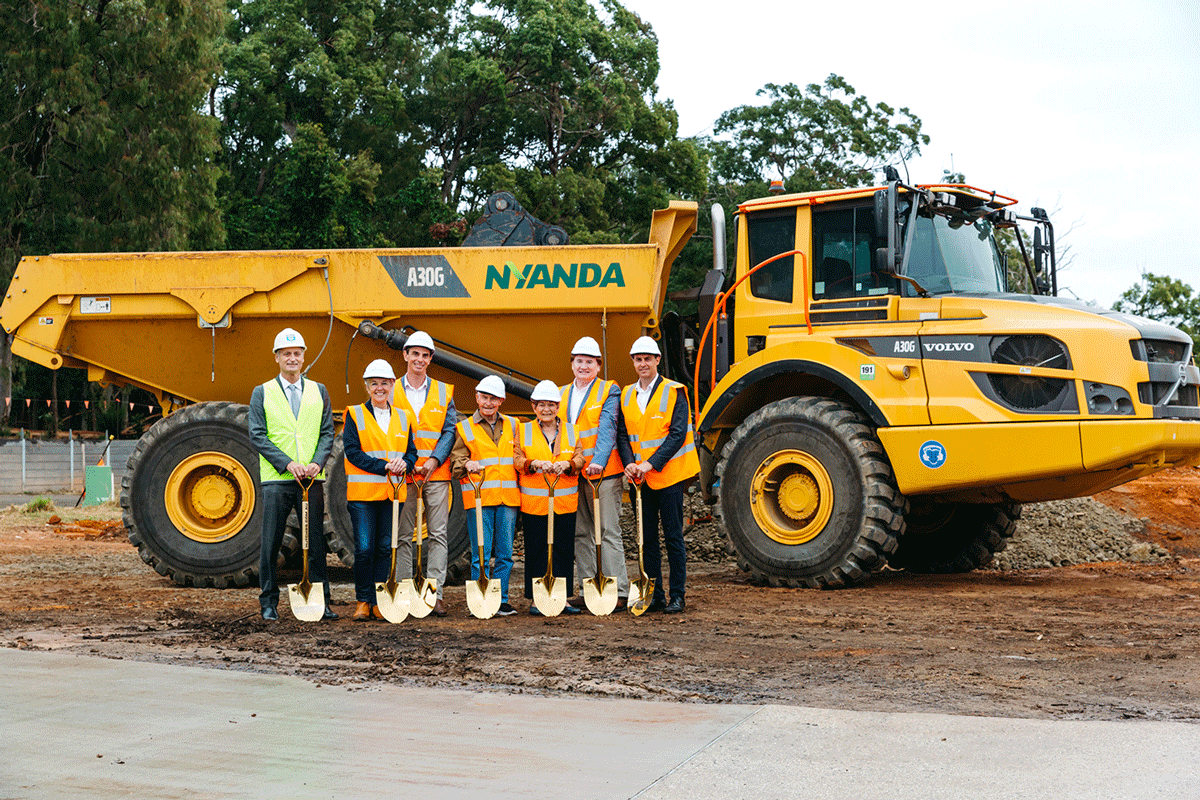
(571, 610)
(656, 605)
(329, 613)
(270, 615)
(675, 606)
(533, 612)
(506, 610)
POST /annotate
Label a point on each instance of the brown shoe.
(362, 612)
(622, 603)
(376, 613)
(438, 609)
(577, 602)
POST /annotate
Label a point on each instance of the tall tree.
(102, 142)
(823, 136)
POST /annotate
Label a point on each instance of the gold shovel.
(422, 591)
(600, 592)
(307, 605)
(550, 593)
(483, 595)
(644, 583)
(393, 597)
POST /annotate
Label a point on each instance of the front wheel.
(807, 495)
(954, 537)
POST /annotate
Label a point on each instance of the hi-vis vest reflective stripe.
(587, 425)
(648, 431)
(363, 485)
(296, 436)
(500, 476)
(427, 423)
(535, 496)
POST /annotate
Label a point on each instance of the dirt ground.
(1105, 640)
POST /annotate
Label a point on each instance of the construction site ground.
(1046, 633)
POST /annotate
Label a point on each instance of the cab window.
(771, 233)
(843, 243)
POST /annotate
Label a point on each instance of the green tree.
(102, 142)
(820, 137)
(1166, 299)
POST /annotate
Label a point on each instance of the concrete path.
(80, 727)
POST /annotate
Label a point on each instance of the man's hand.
(297, 469)
(312, 470)
(396, 466)
(593, 470)
(637, 471)
(562, 467)
(473, 466)
(428, 467)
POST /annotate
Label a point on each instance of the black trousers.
(280, 498)
(533, 527)
(667, 505)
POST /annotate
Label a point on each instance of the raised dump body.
(196, 330)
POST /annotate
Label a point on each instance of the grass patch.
(38, 504)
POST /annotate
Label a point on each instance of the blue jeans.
(372, 524)
(499, 528)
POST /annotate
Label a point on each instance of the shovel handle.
(477, 485)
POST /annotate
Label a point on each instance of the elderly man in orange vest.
(485, 444)
(657, 447)
(429, 405)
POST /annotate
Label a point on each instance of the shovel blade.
(420, 601)
(307, 605)
(392, 601)
(644, 589)
(550, 597)
(600, 595)
(483, 601)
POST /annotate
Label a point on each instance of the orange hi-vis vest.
(535, 495)
(427, 422)
(587, 425)
(389, 444)
(500, 476)
(648, 431)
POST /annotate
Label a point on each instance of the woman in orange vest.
(656, 443)
(378, 441)
(547, 446)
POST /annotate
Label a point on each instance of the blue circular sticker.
(933, 454)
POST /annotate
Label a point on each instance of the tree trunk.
(6, 382)
(53, 402)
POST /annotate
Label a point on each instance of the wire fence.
(37, 466)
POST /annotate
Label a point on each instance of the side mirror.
(882, 264)
(880, 210)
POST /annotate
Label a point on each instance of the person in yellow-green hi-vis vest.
(291, 427)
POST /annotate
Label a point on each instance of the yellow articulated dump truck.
(866, 388)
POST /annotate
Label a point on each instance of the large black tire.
(339, 531)
(807, 495)
(191, 499)
(954, 537)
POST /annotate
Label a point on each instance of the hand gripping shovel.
(308, 601)
(422, 592)
(644, 583)
(393, 597)
(483, 595)
(550, 593)
(600, 592)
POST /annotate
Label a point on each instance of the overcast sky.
(1090, 110)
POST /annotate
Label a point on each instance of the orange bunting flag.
(27, 402)
(131, 406)
(7, 402)
(47, 404)
(87, 403)
(68, 402)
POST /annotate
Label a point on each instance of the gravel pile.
(1054, 534)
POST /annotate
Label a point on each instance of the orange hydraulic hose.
(719, 311)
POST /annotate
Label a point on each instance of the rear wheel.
(807, 495)
(191, 503)
(954, 537)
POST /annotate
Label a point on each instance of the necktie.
(294, 399)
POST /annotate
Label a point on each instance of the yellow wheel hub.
(209, 497)
(791, 496)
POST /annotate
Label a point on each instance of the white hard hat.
(420, 339)
(288, 337)
(546, 390)
(379, 369)
(492, 385)
(645, 346)
(586, 347)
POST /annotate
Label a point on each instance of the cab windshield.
(951, 256)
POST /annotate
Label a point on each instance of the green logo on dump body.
(553, 276)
